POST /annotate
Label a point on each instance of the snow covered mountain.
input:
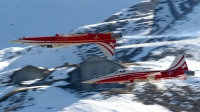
(180, 95)
(172, 20)
(151, 17)
(175, 24)
(137, 19)
(171, 14)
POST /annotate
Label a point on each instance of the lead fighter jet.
(105, 41)
(178, 69)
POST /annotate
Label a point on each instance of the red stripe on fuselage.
(126, 74)
(139, 75)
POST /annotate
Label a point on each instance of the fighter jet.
(178, 69)
(105, 41)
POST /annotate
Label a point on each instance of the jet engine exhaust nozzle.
(189, 73)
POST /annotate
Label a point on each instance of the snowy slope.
(47, 17)
(120, 103)
(14, 58)
(52, 98)
(187, 25)
(45, 99)
(63, 101)
(168, 12)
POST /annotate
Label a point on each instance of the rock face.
(169, 11)
(175, 97)
(29, 73)
(172, 98)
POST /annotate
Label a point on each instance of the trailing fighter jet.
(178, 69)
(105, 41)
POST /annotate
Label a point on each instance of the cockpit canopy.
(121, 71)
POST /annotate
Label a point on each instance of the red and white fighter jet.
(105, 41)
(178, 69)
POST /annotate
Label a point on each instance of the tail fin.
(179, 63)
(107, 47)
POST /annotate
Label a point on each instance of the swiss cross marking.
(96, 37)
(112, 44)
(183, 66)
(170, 73)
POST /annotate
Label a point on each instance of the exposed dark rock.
(166, 13)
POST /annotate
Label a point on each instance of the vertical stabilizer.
(179, 63)
(107, 47)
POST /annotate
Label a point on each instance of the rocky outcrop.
(176, 98)
(169, 11)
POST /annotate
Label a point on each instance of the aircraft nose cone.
(88, 81)
(15, 41)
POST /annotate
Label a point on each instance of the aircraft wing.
(107, 47)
